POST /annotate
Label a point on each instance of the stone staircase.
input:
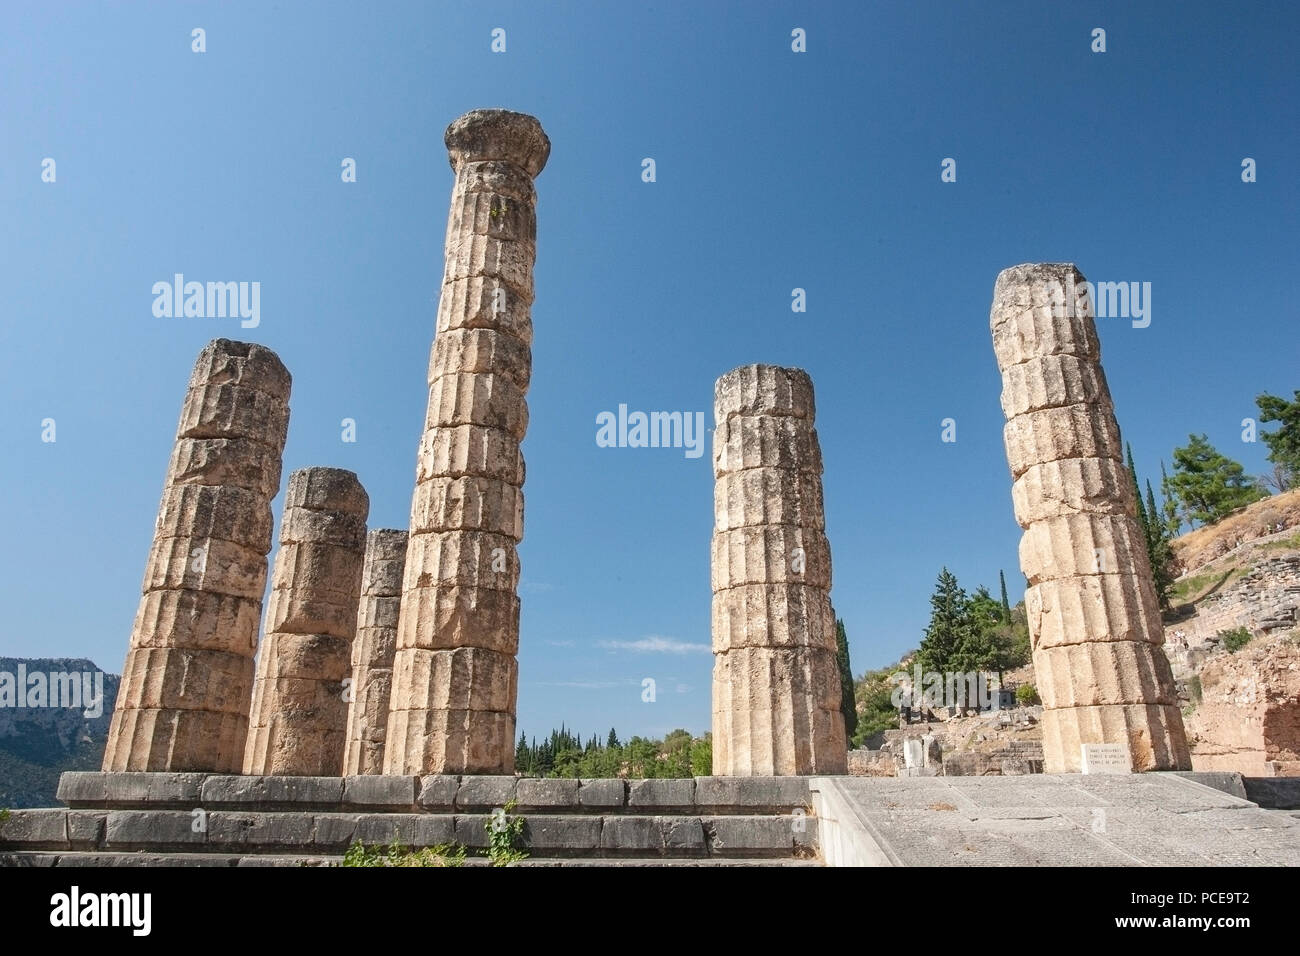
(196, 819)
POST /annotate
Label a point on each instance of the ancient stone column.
(373, 649)
(183, 701)
(1094, 618)
(455, 674)
(776, 685)
(298, 724)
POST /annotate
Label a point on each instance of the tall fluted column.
(455, 675)
(1094, 619)
(298, 724)
(183, 701)
(776, 685)
(373, 649)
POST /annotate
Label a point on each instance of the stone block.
(748, 441)
(490, 399)
(373, 790)
(602, 793)
(773, 616)
(438, 791)
(764, 390)
(771, 554)
(768, 496)
(37, 827)
(153, 829)
(468, 503)
(756, 794)
(661, 793)
(482, 350)
(234, 828)
(547, 792)
(436, 618)
(485, 792)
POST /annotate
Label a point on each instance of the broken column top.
(241, 363)
(500, 136)
(764, 390)
(1042, 309)
(327, 489)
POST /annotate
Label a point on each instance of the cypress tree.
(1006, 605)
(1143, 521)
(847, 705)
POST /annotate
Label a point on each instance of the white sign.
(1106, 758)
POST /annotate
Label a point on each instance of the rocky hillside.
(1241, 703)
(39, 741)
(1268, 519)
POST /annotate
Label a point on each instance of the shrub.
(1026, 694)
(1235, 639)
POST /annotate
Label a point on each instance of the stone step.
(310, 833)
(224, 820)
(713, 796)
(83, 859)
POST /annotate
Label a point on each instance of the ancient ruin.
(183, 703)
(1094, 620)
(776, 686)
(455, 674)
(298, 723)
(373, 649)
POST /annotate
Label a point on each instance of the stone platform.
(1151, 819)
(195, 819)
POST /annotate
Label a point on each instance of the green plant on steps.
(1235, 639)
(444, 854)
(503, 832)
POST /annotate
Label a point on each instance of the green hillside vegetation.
(564, 754)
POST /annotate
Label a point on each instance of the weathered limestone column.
(373, 649)
(776, 685)
(299, 719)
(455, 675)
(183, 701)
(1094, 619)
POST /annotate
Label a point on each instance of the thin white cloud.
(656, 645)
(560, 643)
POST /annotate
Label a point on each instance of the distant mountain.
(54, 716)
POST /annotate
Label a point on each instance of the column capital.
(500, 136)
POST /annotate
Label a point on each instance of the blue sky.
(775, 170)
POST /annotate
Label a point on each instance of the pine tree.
(612, 743)
(1283, 444)
(847, 705)
(1208, 485)
(1006, 605)
(942, 648)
